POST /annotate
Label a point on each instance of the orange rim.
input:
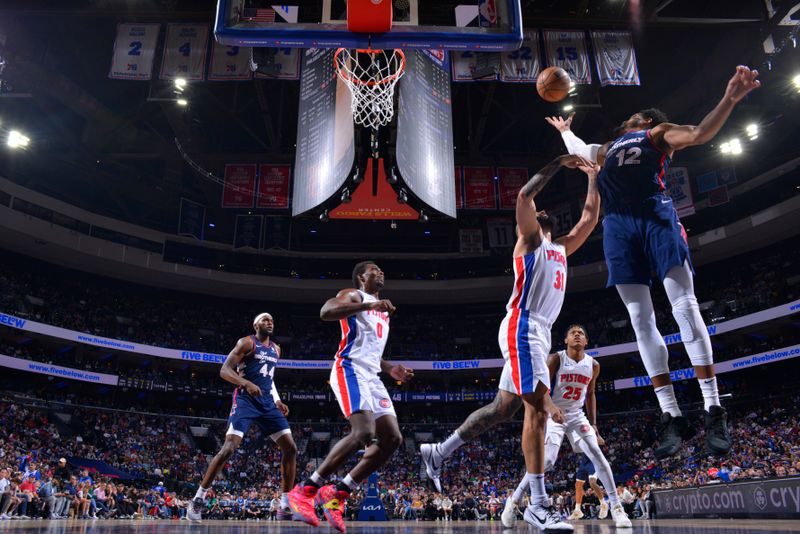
(371, 83)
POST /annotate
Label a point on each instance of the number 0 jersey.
(633, 171)
(540, 280)
(572, 382)
(364, 337)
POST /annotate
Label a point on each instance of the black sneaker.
(673, 431)
(718, 439)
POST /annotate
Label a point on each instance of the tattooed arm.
(502, 409)
(591, 211)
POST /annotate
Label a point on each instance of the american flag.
(259, 14)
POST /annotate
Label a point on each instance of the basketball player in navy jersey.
(363, 399)
(250, 366)
(642, 234)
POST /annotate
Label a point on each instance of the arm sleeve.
(274, 392)
(577, 147)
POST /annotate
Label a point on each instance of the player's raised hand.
(590, 168)
(560, 123)
(401, 373)
(384, 305)
(740, 85)
(282, 407)
(252, 389)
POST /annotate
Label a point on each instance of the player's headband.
(261, 316)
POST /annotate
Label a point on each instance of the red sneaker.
(332, 502)
(301, 500)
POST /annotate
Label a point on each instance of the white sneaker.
(433, 460)
(576, 514)
(546, 518)
(195, 510)
(620, 517)
(509, 515)
(603, 510)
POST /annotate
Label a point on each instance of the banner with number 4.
(185, 52)
(134, 51)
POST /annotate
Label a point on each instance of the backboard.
(420, 24)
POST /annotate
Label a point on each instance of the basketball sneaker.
(620, 518)
(433, 461)
(673, 431)
(718, 439)
(603, 513)
(301, 501)
(195, 509)
(576, 514)
(332, 502)
(509, 515)
(544, 517)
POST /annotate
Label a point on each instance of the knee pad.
(694, 333)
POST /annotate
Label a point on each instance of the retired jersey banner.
(561, 216)
(680, 190)
(510, 181)
(134, 50)
(273, 186)
(567, 49)
(479, 188)
(523, 65)
(615, 58)
(248, 231)
(239, 187)
(459, 194)
(229, 63)
(287, 64)
(185, 52)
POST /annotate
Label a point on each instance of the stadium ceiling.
(112, 142)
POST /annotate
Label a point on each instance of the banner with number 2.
(134, 51)
(185, 52)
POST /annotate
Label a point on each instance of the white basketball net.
(371, 76)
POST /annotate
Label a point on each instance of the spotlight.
(569, 107)
(393, 225)
(573, 89)
(392, 179)
(180, 83)
(423, 217)
(323, 217)
(17, 140)
(357, 176)
(346, 198)
(796, 82)
(182, 102)
(402, 196)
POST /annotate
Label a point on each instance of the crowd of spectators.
(104, 307)
(37, 480)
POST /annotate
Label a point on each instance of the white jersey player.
(575, 374)
(364, 320)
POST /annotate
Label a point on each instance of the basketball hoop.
(371, 76)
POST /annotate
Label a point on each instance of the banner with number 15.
(134, 50)
(185, 52)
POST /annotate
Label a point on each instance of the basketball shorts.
(524, 341)
(246, 410)
(643, 240)
(585, 469)
(576, 427)
(359, 390)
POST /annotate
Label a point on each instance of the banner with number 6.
(567, 49)
(134, 51)
(185, 52)
(229, 63)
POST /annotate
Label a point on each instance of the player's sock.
(708, 387)
(516, 498)
(201, 493)
(285, 500)
(667, 400)
(349, 483)
(449, 446)
(315, 480)
(538, 493)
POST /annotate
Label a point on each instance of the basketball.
(553, 84)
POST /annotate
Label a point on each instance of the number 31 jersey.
(572, 381)
(632, 172)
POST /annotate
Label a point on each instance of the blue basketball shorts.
(641, 240)
(245, 411)
(585, 470)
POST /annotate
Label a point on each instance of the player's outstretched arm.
(591, 211)
(575, 145)
(348, 302)
(674, 137)
(228, 371)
